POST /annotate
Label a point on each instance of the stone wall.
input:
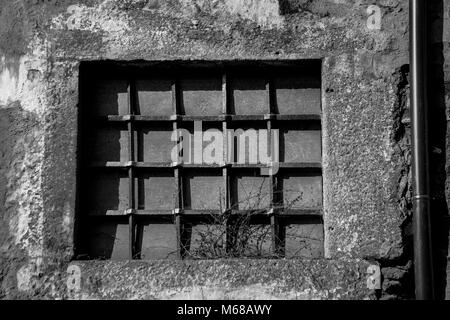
(440, 111)
(366, 141)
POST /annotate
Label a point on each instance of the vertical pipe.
(421, 201)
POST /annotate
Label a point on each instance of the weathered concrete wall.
(441, 49)
(366, 145)
(254, 279)
(439, 106)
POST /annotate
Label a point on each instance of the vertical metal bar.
(227, 211)
(224, 92)
(175, 97)
(269, 139)
(178, 210)
(272, 188)
(270, 89)
(274, 223)
(178, 197)
(178, 226)
(178, 201)
(225, 171)
(131, 222)
(419, 123)
(131, 148)
(225, 139)
(275, 235)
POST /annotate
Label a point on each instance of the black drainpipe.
(423, 267)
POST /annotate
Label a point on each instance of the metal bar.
(271, 181)
(179, 226)
(268, 96)
(216, 118)
(131, 235)
(309, 167)
(175, 97)
(272, 186)
(299, 117)
(178, 201)
(272, 96)
(224, 94)
(131, 194)
(167, 118)
(121, 213)
(313, 167)
(156, 212)
(198, 212)
(243, 117)
(273, 213)
(284, 117)
(274, 223)
(225, 170)
(299, 212)
(211, 118)
(179, 206)
(423, 268)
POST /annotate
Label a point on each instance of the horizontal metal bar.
(255, 117)
(155, 212)
(204, 118)
(294, 165)
(125, 165)
(210, 213)
(301, 117)
(113, 164)
(201, 166)
(316, 165)
(157, 165)
(279, 117)
(140, 212)
(137, 118)
(192, 212)
(280, 211)
(213, 118)
(256, 212)
(111, 212)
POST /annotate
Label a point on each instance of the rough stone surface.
(229, 279)
(366, 157)
(440, 155)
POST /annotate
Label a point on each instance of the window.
(144, 194)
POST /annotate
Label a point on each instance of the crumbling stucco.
(364, 163)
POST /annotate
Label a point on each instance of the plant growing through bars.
(243, 233)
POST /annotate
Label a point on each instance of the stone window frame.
(130, 215)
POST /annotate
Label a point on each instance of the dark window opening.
(137, 202)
